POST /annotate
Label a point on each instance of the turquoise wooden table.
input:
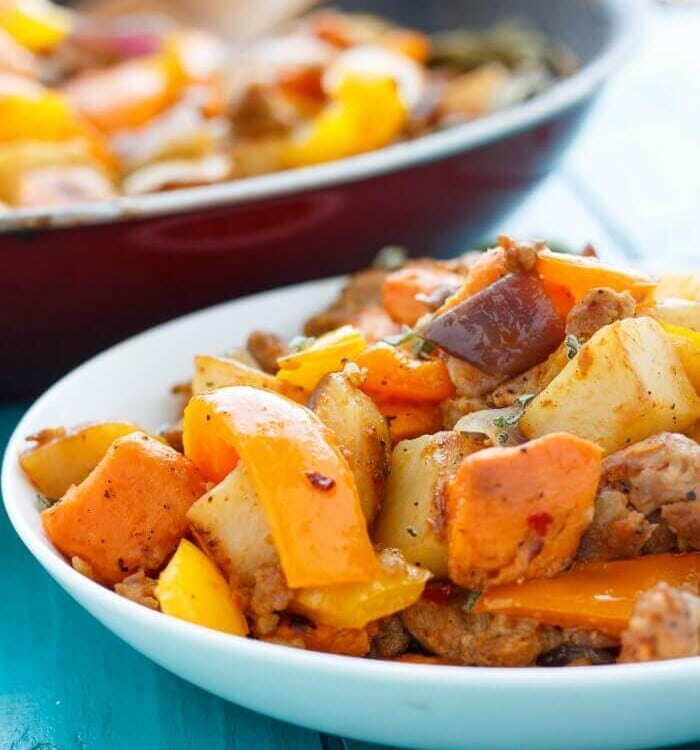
(66, 683)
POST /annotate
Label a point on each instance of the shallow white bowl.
(630, 706)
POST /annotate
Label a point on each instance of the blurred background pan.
(74, 280)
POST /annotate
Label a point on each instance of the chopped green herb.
(472, 598)
(508, 420)
(501, 438)
(420, 348)
(391, 257)
(399, 338)
(573, 346)
(525, 399)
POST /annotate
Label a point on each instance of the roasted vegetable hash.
(93, 106)
(488, 461)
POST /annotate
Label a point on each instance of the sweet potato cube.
(518, 513)
(130, 511)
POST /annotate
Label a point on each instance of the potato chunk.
(362, 434)
(412, 519)
(677, 312)
(62, 458)
(230, 524)
(625, 384)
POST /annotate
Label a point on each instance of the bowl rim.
(273, 654)
(625, 22)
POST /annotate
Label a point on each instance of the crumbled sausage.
(139, 588)
(598, 308)
(450, 631)
(647, 500)
(266, 348)
(665, 624)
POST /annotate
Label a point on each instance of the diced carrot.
(579, 274)
(520, 512)
(408, 420)
(401, 287)
(130, 511)
(303, 482)
(393, 375)
(594, 595)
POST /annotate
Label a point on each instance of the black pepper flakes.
(691, 495)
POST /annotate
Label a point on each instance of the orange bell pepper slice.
(393, 375)
(127, 95)
(579, 274)
(303, 482)
(595, 595)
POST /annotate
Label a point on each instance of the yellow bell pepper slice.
(594, 595)
(364, 114)
(62, 458)
(38, 25)
(687, 342)
(28, 111)
(395, 585)
(327, 354)
(303, 482)
(192, 588)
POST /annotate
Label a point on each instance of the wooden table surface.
(631, 185)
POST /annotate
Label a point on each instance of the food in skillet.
(90, 109)
(488, 461)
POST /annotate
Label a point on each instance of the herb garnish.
(299, 343)
(511, 420)
(472, 598)
(390, 257)
(573, 346)
(420, 348)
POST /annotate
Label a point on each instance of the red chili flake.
(439, 592)
(540, 523)
(320, 481)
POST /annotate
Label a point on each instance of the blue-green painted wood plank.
(66, 683)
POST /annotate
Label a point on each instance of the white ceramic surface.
(615, 707)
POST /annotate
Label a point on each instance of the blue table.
(67, 684)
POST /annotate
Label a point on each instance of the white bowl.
(628, 706)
